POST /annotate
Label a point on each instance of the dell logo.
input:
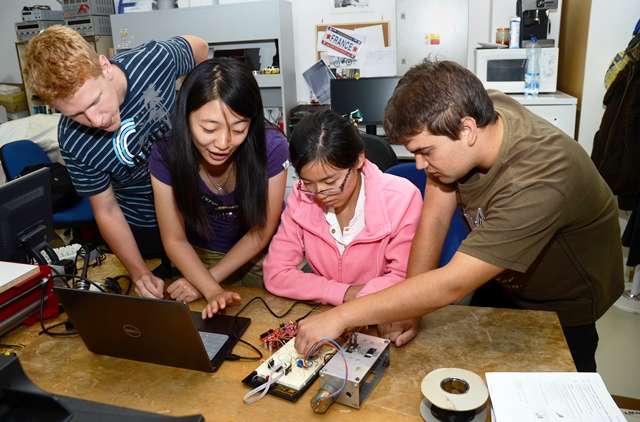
(131, 331)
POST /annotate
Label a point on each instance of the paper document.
(631, 415)
(551, 397)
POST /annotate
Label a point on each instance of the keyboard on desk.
(64, 252)
(213, 342)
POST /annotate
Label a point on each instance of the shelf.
(235, 25)
(269, 81)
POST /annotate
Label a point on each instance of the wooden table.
(477, 339)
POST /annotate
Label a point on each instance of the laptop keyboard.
(213, 342)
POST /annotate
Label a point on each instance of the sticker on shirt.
(218, 210)
(154, 102)
(129, 137)
(478, 220)
(121, 142)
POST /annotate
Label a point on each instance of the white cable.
(279, 371)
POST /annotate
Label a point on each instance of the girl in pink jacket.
(353, 223)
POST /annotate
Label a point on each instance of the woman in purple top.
(218, 184)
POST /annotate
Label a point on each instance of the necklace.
(219, 186)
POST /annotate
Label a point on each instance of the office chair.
(18, 155)
(379, 151)
(457, 230)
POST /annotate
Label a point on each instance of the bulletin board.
(353, 26)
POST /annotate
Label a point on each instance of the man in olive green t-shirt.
(543, 222)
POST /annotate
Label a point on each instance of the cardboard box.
(14, 103)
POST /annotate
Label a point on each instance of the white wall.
(610, 30)
(10, 13)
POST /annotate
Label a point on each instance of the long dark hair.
(325, 137)
(230, 81)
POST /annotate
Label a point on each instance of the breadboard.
(296, 379)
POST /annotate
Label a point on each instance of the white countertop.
(546, 98)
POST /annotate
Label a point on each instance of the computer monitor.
(369, 95)
(26, 218)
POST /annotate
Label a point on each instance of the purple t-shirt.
(226, 233)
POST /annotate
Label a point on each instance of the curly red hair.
(57, 62)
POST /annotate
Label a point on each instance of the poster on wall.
(346, 6)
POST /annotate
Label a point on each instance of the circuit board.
(296, 379)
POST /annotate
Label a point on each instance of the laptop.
(164, 332)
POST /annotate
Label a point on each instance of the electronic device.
(89, 25)
(534, 20)
(88, 7)
(367, 358)
(369, 95)
(295, 379)
(21, 303)
(21, 399)
(164, 332)
(42, 15)
(503, 69)
(26, 218)
(29, 29)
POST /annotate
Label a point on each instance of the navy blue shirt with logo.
(98, 159)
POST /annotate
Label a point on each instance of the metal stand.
(630, 299)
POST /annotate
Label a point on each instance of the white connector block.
(297, 377)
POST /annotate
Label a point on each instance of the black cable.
(297, 302)
(115, 279)
(64, 277)
(445, 415)
(45, 330)
(231, 356)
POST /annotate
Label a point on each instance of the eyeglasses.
(327, 192)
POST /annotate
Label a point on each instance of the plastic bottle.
(514, 32)
(532, 70)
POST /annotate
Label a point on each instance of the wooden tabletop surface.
(476, 339)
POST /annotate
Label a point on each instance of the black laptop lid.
(147, 330)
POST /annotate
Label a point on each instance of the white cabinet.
(224, 25)
(558, 108)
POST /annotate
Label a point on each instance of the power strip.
(296, 379)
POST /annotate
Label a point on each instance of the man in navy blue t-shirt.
(113, 110)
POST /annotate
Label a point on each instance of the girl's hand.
(183, 291)
(219, 302)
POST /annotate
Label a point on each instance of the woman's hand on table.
(219, 302)
(183, 291)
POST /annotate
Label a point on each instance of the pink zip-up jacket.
(377, 256)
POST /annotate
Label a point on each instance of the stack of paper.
(551, 397)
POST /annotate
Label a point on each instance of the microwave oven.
(503, 69)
